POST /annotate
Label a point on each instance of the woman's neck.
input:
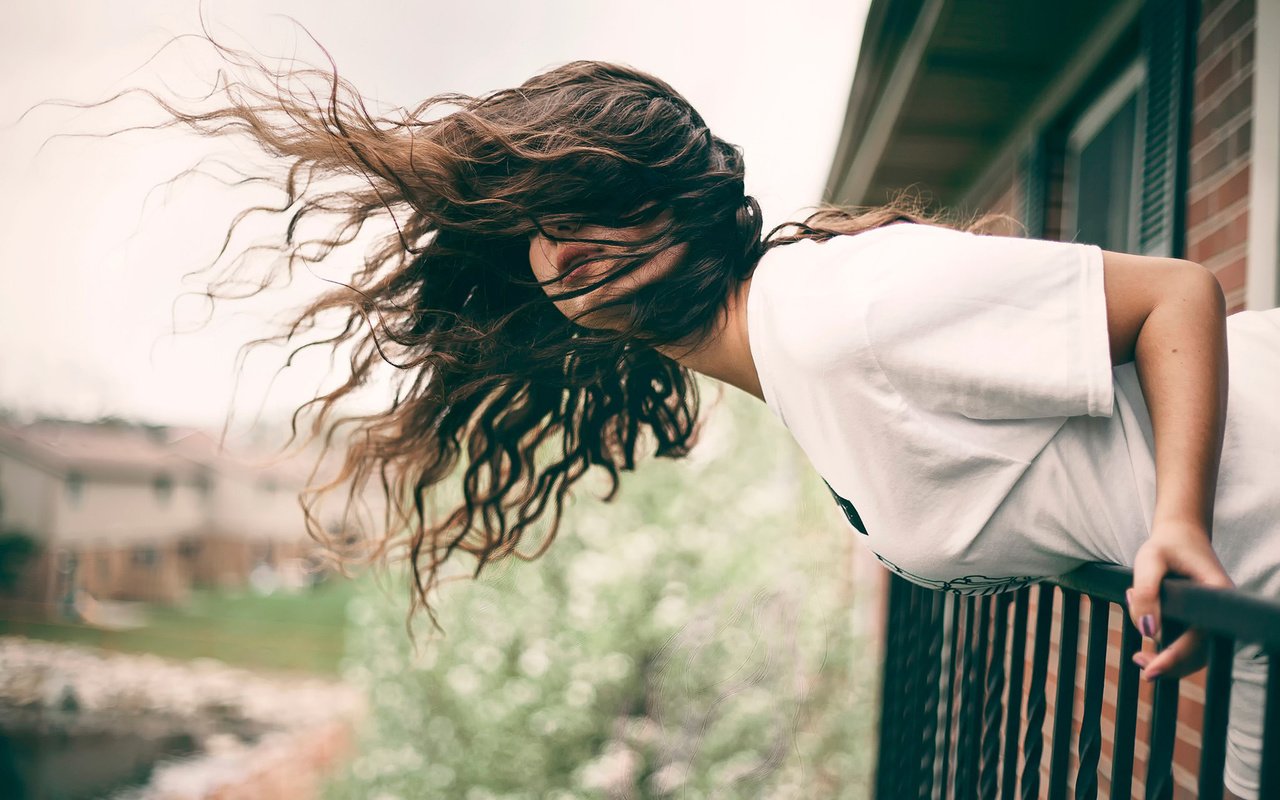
(726, 356)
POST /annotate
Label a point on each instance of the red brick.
(1219, 31)
(1198, 213)
(1232, 190)
(1211, 203)
(1241, 139)
(1229, 234)
(1210, 7)
(1232, 276)
(1210, 162)
(1224, 109)
(1216, 77)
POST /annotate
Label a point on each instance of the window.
(145, 556)
(163, 486)
(203, 483)
(1101, 189)
(75, 488)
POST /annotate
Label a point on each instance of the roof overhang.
(944, 89)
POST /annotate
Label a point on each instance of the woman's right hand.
(1181, 547)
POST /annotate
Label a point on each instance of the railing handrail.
(1229, 612)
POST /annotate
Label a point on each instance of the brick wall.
(1190, 710)
(1218, 192)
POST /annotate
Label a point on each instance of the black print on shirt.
(968, 584)
(850, 512)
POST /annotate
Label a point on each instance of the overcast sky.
(90, 272)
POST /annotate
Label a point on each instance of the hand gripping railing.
(958, 721)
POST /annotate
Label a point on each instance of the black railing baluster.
(945, 709)
(1213, 731)
(906, 688)
(913, 746)
(989, 771)
(953, 648)
(1095, 676)
(978, 688)
(1126, 726)
(929, 730)
(964, 741)
(1164, 726)
(1164, 720)
(1033, 742)
(1064, 696)
(1013, 711)
(1269, 779)
(886, 778)
(902, 704)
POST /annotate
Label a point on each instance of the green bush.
(693, 639)
(16, 549)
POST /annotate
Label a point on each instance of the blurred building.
(130, 512)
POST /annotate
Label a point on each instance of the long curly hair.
(491, 383)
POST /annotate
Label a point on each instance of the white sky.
(89, 274)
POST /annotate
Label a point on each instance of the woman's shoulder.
(875, 245)
(807, 300)
(814, 273)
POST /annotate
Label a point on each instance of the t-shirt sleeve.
(992, 327)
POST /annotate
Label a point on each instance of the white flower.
(463, 680)
(579, 694)
(534, 660)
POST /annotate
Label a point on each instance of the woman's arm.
(1179, 346)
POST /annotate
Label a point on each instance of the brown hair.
(490, 378)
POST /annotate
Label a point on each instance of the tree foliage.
(696, 638)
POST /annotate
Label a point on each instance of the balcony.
(971, 694)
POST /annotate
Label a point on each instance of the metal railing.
(964, 705)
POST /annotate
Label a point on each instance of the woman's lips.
(570, 258)
(576, 273)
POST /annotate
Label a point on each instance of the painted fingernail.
(1148, 626)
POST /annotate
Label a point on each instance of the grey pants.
(1244, 729)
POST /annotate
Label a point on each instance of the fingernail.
(1151, 674)
(1128, 596)
(1148, 626)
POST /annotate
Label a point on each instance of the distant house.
(252, 516)
(123, 511)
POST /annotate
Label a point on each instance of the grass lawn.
(302, 631)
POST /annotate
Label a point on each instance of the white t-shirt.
(956, 393)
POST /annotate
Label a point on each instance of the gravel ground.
(244, 721)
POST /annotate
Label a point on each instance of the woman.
(986, 410)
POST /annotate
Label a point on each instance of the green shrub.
(16, 549)
(691, 639)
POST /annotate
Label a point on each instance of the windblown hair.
(490, 380)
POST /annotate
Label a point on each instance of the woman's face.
(548, 258)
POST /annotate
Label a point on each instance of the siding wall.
(27, 496)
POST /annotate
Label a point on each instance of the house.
(253, 515)
(1145, 126)
(130, 512)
